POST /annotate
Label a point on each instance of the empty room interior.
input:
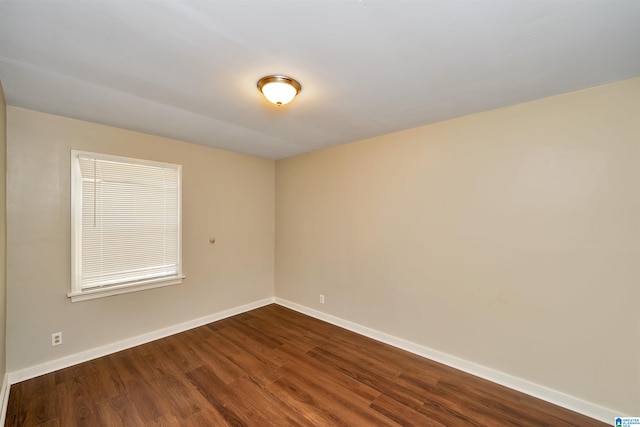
(320, 213)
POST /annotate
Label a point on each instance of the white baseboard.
(4, 398)
(94, 353)
(589, 409)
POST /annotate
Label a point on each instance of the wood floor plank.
(284, 333)
(252, 364)
(302, 402)
(103, 379)
(365, 360)
(118, 412)
(204, 418)
(249, 345)
(180, 349)
(255, 334)
(402, 415)
(333, 399)
(37, 405)
(276, 411)
(373, 380)
(169, 377)
(272, 367)
(448, 416)
(482, 401)
(77, 407)
(225, 367)
(17, 406)
(225, 399)
(310, 367)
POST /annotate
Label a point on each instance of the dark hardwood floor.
(272, 367)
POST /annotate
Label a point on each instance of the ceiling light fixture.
(279, 90)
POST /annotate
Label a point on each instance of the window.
(125, 225)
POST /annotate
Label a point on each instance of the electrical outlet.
(321, 299)
(56, 338)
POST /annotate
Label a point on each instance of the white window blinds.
(126, 223)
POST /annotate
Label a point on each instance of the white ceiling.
(188, 69)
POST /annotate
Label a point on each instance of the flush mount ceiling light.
(279, 90)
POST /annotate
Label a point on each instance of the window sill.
(122, 289)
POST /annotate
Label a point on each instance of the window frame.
(78, 293)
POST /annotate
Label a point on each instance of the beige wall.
(509, 238)
(3, 232)
(226, 195)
